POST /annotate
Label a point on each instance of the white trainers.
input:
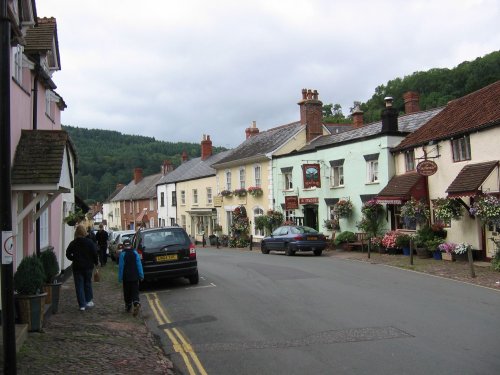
(82, 308)
(90, 304)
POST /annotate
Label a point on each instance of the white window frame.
(242, 178)
(44, 225)
(257, 173)
(151, 204)
(288, 180)
(162, 199)
(183, 197)
(195, 196)
(17, 63)
(372, 171)
(228, 180)
(460, 148)
(337, 176)
(50, 104)
(410, 160)
(209, 195)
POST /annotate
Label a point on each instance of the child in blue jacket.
(130, 273)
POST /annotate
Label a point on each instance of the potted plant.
(447, 250)
(432, 245)
(74, 217)
(487, 208)
(343, 238)
(343, 208)
(331, 224)
(389, 241)
(414, 212)
(226, 193)
(28, 281)
(447, 209)
(255, 191)
(403, 242)
(461, 250)
(51, 270)
(424, 234)
(240, 192)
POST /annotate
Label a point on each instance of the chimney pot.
(388, 101)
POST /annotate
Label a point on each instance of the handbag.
(97, 276)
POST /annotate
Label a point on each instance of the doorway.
(311, 216)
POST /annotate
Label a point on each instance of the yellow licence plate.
(312, 238)
(166, 258)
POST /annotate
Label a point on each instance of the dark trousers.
(130, 293)
(83, 286)
(103, 256)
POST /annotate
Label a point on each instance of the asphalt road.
(272, 314)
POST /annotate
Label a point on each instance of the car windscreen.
(164, 238)
(302, 230)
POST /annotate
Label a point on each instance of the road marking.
(183, 348)
(211, 285)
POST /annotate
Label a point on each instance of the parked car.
(290, 238)
(117, 245)
(167, 253)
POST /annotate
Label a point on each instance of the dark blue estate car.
(291, 238)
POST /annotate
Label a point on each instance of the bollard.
(203, 242)
(369, 247)
(471, 262)
(217, 241)
(251, 242)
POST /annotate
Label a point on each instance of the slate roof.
(144, 189)
(400, 185)
(41, 38)
(193, 169)
(39, 157)
(262, 143)
(470, 178)
(113, 194)
(338, 128)
(478, 110)
(407, 123)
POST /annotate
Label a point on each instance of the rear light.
(192, 251)
(298, 238)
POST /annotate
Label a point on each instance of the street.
(272, 314)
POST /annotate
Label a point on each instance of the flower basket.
(343, 208)
(331, 224)
(486, 208)
(74, 217)
(255, 191)
(226, 193)
(414, 211)
(240, 193)
(447, 209)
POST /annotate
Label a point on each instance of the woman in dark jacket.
(83, 252)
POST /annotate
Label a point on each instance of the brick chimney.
(166, 167)
(311, 114)
(137, 175)
(357, 115)
(252, 130)
(184, 156)
(411, 99)
(206, 147)
(389, 117)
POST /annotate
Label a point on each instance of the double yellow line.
(179, 343)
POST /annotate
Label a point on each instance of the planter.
(423, 253)
(436, 254)
(52, 297)
(448, 256)
(406, 251)
(461, 257)
(31, 311)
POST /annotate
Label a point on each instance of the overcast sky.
(176, 70)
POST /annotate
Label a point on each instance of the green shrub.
(28, 278)
(50, 265)
(345, 236)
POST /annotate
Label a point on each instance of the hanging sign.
(291, 202)
(311, 174)
(426, 168)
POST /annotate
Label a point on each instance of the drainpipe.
(8, 326)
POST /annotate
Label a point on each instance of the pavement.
(104, 339)
(107, 340)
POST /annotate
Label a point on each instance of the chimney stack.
(206, 147)
(252, 130)
(411, 99)
(357, 115)
(311, 114)
(389, 117)
(166, 167)
(137, 175)
(184, 156)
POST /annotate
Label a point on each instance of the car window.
(165, 238)
(306, 230)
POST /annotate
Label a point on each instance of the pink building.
(43, 156)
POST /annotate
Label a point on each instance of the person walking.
(130, 272)
(82, 251)
(102, 242)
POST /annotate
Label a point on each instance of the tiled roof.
(262, 143)
(42, 37)
(39, 157)
(144, 189)
(470, 178)
(114, 193)
(407, 123)
(338, 128)
(472, 112)
(192, 169)
(400, 185)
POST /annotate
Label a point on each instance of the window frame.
(372, 171)
(228, 180)
(337, 174)
(195, 196)
(257, 175)
(162, 199)
(288, 180)
(460, 148)
(410, 160)
(209, 195)
(183, 197)
(242, 178)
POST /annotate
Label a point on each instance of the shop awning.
(401, 188)
(470, 179)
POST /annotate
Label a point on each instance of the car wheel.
(318, 252)
(264, 248)
(194, 279)
(288, 250)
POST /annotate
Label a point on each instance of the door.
(311, 216)
(492, 232)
